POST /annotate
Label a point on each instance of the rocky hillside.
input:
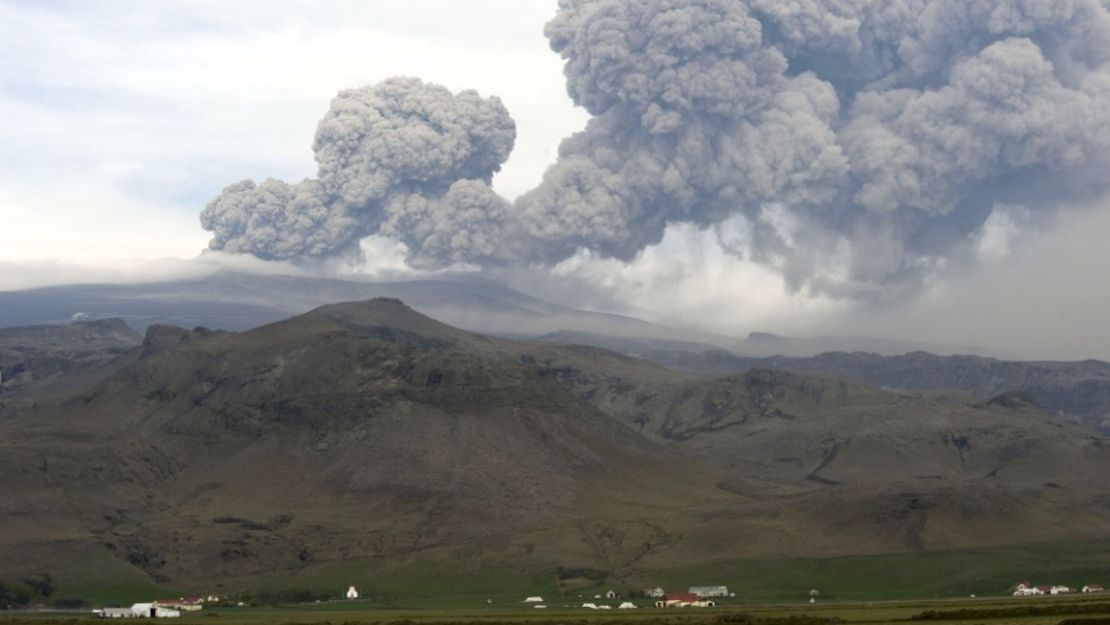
(1079, 390)
(352, 432)
(365, 436)
(36, 354)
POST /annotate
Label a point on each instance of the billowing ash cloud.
(852, 144)
(406, 158)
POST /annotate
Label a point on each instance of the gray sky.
(123, 119)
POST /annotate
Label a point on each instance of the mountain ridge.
(367, 435)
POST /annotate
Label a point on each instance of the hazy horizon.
(829, 183)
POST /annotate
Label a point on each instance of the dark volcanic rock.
(35, 354)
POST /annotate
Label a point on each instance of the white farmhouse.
(1025, 589)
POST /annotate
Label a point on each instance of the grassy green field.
(941, 575)
(455, 586)
(1073, 610)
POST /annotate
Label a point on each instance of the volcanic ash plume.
(408, 159)
(851, 144)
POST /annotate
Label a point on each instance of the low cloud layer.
(857, 148)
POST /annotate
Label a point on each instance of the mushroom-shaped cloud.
(400, 144)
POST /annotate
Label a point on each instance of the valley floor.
(1072, 610)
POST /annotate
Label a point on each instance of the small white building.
(533, 600)
(352, 592)
(1092, 588)
(1060, 590)
(1025, 589)
(153, 610)
(655, 593)
(611, 594)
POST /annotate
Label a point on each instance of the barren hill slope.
(354, 431)
(367, 435)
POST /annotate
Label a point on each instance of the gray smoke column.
(854, 145)
(405, 158)
(850, 143)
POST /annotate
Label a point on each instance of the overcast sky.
(122, 119)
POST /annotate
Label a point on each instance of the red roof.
(681, 596)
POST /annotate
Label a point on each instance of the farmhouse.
(1060, 590)
(1092, 588)
(1025, 589)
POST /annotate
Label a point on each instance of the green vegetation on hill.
(983, 572)
(443, 586)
